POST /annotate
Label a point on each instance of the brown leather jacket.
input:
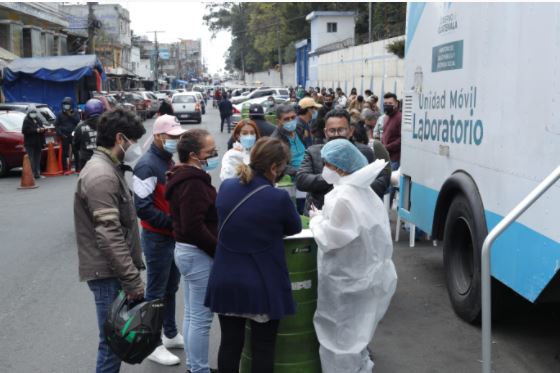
(106, 225)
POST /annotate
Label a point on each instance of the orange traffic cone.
(27, 179)
(52, 163)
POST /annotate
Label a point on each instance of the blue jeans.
(162, 275)
(195, 265)
(105, 291)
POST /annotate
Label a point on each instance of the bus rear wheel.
(462, 243)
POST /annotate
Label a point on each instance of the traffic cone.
(27, 179)
(52, 163)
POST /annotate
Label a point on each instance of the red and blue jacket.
(149, 191)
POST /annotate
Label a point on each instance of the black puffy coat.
(30, 135)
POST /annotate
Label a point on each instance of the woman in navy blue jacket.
(249, 278)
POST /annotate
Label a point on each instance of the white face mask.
(131, 154)
(330, 176)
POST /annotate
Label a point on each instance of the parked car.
(45, 113)
(161, 96)
(261, 92)
(200, 100)
(138, 101)
(11, 141)
(186, 107)
(241, 110)
(151, 101)
(113, 102)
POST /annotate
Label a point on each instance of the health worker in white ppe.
(245, 134)
(357, 277)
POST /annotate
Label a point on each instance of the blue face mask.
(314, 115)
(247, 141)
(211, 163)
(291, 125)
(170, 146)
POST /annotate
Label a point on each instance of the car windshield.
(283, 92)
(183, 99)
(47, 113)
(12, 121)
(151, 96)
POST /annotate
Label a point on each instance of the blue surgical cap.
(344, 155)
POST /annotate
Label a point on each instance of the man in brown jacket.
(109, 253)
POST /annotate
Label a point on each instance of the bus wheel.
(462, 243)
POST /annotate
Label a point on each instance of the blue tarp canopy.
(48, 79)
(54, 68)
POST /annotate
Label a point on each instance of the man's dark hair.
(391, 95)
(284, 109)
(368, 92)
(116, 121)
(191, 142)
(337, 113)
(301, 111)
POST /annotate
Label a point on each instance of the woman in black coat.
(33, 139)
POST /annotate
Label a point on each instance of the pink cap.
(169, 125)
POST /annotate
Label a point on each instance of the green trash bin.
(297, 348)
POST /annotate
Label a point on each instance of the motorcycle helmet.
(133, 329)
(94, 108)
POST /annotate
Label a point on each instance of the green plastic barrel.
(297, 348)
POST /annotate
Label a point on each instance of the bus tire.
(464, 234)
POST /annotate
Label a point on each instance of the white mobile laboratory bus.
(480, 130)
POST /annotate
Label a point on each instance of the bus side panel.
(422, 206)
(522, 258)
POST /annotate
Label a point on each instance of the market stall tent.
(49, 79)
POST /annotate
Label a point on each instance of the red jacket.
(192, 200)
(392, 136)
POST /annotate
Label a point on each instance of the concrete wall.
(319, 35)
(271, 78)
(363, 66)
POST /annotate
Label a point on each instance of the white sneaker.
(163, 357)
(175, 342)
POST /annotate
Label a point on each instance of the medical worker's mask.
(330, 176)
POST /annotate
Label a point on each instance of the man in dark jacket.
(65, 124)
(33, 139)
(109, 253)
(309, 179)
(307, 114)
(392, 132)
(157, 238)
(256, 114)
(318, 126)
(225, 113)
(85, 136)
(294, 138)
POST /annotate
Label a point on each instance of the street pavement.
(48, 324)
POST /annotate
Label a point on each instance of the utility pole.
(279, 54)
(369, 28)
(156, 62)
(92, 26)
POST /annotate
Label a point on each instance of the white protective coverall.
(357, 277)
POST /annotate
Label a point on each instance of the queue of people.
(224, 247)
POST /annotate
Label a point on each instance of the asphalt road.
(47, 317)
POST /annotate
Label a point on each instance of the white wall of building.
(271, 78)
(144, 69)
(363, 66)
(319, 35)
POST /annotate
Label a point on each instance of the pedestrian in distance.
(309, 177)
(65, 124)
(165, 108)
(158, 243)
(249, 280)
(192, 199)
(225, 112)
(33, 139)
(108, 241)
(85, 135)
(356, 276)
(245, 134)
